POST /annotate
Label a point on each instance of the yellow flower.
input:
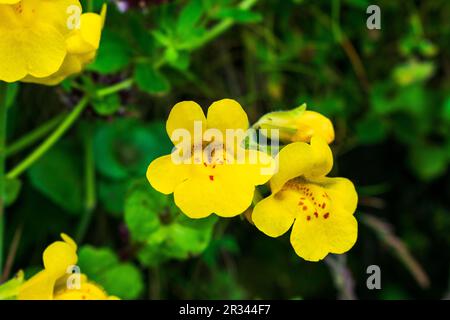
(51, 283)
(319, 208)
(41, 41)
(298, 124)
(223, 183)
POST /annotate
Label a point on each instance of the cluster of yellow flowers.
(45, 41)
(319, 208)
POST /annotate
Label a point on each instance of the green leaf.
(161, 38)
(111, 194)
(446, 109)
(427, 161)
(10, 289)
(93, 261)
(12, 190)
(58, 175)
(166, 233)
(189, 16)
(113, 54)
(371, 130)
(142, 208)
(149, 79)
(413, 71)
(107, 105)
(125, 147)
(124, 281)
(102, 266)
(181, 62)
(239, 15)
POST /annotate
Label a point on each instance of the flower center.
(210, 158)
(313, 201)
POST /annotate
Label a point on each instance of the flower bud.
(298, 124)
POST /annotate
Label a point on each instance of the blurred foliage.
(387, 92)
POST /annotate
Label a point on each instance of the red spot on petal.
(300, 203)
(308, 218)
(305, 207)
(316, 214)
(211, 178)
(326, 215)
(323, 205)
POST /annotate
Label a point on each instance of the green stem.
(33, 136)
(3, 115)
(126, 84)
(89, 176)
(50, 141)
(218, 29)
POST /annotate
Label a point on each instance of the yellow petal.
(69, 241)
(57, 13)
(38, 51)
(313, 239)
(227, 114)
(182, 116)
(72, 64)
(58, 257)
(87, 38)
(257, 167)
(300, 159)
(164, 175)
(312, 123)
(9, 1)
(341, 191)
(39, 287)
(88, 291)
(223, 193)
(275, 214)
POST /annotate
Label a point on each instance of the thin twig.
(386, 234)
(12, 253)
(342, 276)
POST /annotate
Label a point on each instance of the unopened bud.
(298, 124)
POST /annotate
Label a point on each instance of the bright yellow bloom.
(319, 208)
(222, 183)
(298, 124)
(42, 42)
(51, 283)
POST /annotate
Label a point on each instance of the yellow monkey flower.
(298, 124)
(222, 182)
(319, 208)
(44, 41)
(51, 283)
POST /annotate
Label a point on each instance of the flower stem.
(89, 176)
(114, 88)
(3, 114)
(50, 141)
(33, 136)
(218, 29)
